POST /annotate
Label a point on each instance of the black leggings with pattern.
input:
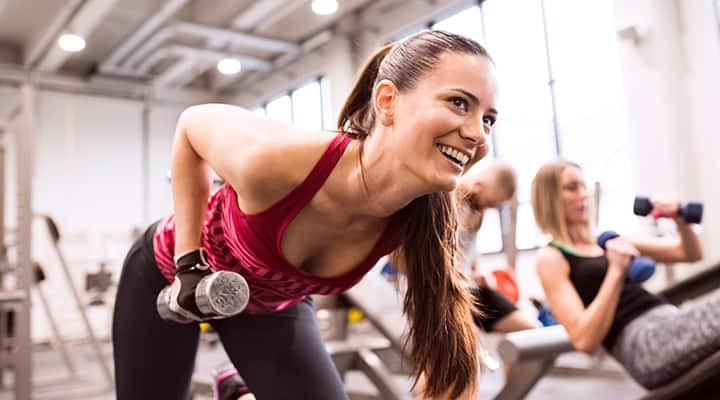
(661, 344)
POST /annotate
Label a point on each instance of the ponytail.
(357, 116)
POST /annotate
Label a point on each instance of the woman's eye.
(460, 103)
(489, 120)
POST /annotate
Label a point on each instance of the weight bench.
(382, 306)
(532, 353)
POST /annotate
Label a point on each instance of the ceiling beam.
(279, 14)
(199, 67)
(146, 29)
(258, 11)
(148, 54)
(184, 66)
(235, 37)
(146, 49)
(201, 54)
(215, 56)
(12, 75)
(220, 82)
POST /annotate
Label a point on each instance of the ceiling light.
(71, 43)
(229, 66)
(324, 7)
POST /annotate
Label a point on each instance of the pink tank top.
(250, 244)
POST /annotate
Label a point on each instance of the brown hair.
(547, 201)
(442, 333)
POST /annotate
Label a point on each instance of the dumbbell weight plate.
(222, 294)
(642, 206)
(692, 213)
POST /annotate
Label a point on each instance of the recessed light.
(324, 7)
(71, 42)
(229, 66)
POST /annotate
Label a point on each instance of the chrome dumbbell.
(220, 294)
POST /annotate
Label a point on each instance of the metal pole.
(3, 251)
(551, 83)
(55, 330)
(508, 228)
(24, 130)
(145, 162)
(78, 302)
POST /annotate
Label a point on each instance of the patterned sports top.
(250, 244)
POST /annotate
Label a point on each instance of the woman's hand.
(619, 253)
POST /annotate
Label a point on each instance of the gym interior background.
(627, 88)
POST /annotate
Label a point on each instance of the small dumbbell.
(641, 268)
(691, 212)
(221, 294)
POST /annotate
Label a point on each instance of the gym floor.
(575, 376)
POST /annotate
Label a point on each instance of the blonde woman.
(591, 296)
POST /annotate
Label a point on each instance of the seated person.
(590, 295)
(480, 189)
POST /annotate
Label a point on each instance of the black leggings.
(494, 305)
(280, 355)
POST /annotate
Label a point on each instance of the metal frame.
(21, 126)
(55, 236)
(531, 354)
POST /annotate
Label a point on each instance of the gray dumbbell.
(221, 294)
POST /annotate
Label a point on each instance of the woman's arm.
(686, 249)
(260, 158)
(191, 180)
(587, 327)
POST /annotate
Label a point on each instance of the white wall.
(671, 82)
(702, 43)
(162, 128)
(88, 162)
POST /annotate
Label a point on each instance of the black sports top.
(587, 274)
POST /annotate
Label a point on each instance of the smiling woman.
(416, 103)
(310, 211)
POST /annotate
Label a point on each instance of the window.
(307, 106)
(489, 239)
(280, 108)
(467, 23)
(589, 103)
(303, 107)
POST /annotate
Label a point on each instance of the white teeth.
(460, 157)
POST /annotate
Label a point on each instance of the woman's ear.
(384, 99)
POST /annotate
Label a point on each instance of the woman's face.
(574, 195)
(441, 125)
